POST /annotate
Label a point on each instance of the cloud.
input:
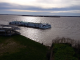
(70, 11)
(23, 8)
(4, 6)
(45, 3)
(48, 7)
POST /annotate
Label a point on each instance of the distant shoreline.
(39, 15)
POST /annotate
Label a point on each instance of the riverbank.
(40, 15)
(63, 52)
(21, 48)
(64, 49)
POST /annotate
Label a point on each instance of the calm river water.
(68, 27)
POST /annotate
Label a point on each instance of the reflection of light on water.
(32, 19)
(31, 33)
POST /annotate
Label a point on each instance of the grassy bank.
(21, 48)
(77, 50)
(63, 52)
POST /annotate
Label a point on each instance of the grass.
(77, 50)
(63, 52)
(21, 48)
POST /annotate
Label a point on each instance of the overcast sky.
(41, 7)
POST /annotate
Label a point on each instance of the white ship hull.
(30, 24)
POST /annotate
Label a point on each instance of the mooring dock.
(8, 30)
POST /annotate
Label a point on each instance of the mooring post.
(5, 33)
